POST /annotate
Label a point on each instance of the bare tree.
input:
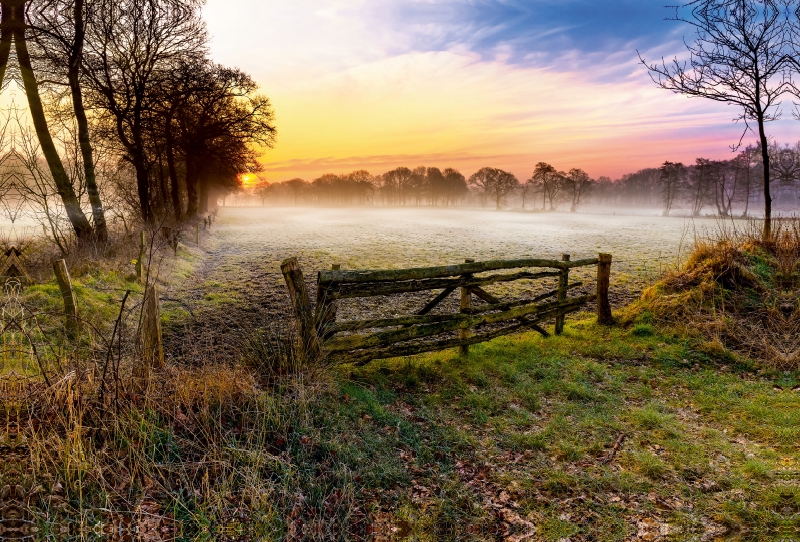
(737, 57)
(59, 34)
(672, 181)
(578, 184)
(455, 185)
(14, 29)
(494, 182)
(131, 47)
(551, 183)
(296, 186)
(528, 187)
(749, 167)
(701, 184)
(221, 122)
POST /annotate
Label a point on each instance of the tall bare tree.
(495, 182)
(577, 184)
(59, 34)
(131, 48)
(738, 57)
(14, 29)
(550, 181)
(672, 183)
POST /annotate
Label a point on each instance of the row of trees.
(720, 187)
(401, 186)
(430, 186)
(125, 103)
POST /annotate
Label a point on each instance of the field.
(243, 261)
(622, 434)
(630, 432)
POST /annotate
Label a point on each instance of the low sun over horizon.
(464, 84)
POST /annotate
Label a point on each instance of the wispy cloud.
(365, 83)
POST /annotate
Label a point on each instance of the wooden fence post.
(140, 260)
(325, 310)
(68, 293)
(309, 344)
(466, 304)
(152, 342)
(197, 234)
(603, 282)
(563, 283)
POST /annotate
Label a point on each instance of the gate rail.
(321, 334)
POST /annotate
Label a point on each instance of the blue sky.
(533, 28)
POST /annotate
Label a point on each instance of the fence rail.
(321, 334)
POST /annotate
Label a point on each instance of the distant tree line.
(730, 187)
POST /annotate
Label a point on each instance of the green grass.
(600, 434)
(542, 416)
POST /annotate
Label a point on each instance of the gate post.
(466, 303)
(309, 343)
(563, 284)
(603, 282)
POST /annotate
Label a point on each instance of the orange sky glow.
(349, 95)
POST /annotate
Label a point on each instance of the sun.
(249, 179)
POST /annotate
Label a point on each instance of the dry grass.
(736, 291)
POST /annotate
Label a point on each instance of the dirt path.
(239, 279)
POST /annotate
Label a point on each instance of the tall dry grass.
(211, 446)
(736, 290)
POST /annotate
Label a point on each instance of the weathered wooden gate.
(364, 340)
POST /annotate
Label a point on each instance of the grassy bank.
(602, 434)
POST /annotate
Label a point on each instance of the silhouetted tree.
(672, 181)
(455, 185)
(737, 58)
(577, 184)
(494, 182)
(296, 187)
(131, 47)
(58, 29)
(701, 184)
(14, 29)
(264, 191)
(550, 181)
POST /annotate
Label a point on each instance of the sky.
(378, 84)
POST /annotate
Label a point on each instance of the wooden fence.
(361, 341)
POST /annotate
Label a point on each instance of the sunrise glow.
(360, 85)
(249, 180)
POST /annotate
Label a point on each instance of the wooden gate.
(363, 340)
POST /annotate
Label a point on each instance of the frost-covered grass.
(395, 238)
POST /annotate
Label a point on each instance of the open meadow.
(241, 271)
(634, 432)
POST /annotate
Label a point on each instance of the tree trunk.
(143, 188)
(6, 37)
(203, 196)
(72, 206)
(192, 177)
(175, 190)
(162, 185)
(767, 197)
(73, 75)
